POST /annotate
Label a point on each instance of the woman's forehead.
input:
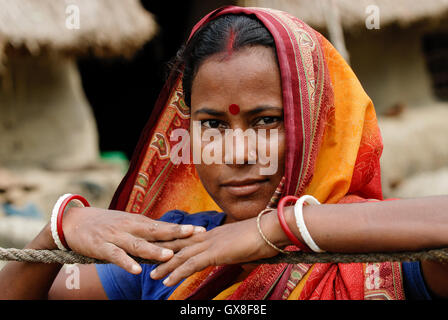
(247, 78)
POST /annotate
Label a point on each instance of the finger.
(179, 258)
(175, 245)
(189, 267)
(179, 244)
(118, 256)
(153, 230)
(139, 247)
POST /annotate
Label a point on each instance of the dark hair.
(227, 33)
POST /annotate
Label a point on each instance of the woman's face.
(249, 79)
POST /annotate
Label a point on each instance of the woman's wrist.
(274, 231)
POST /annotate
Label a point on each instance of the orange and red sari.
(333, 151)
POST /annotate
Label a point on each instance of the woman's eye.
(213, 124)
(266, 121)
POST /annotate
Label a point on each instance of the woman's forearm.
(21, 280)
(399, 225)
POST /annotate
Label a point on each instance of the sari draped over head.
(333, 147)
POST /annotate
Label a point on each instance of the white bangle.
(56, 217)
(53, 221)
(298, 212)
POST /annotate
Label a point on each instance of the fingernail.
(153, 273)
(199, 229)
(136, 268)
(166, 253)
(166, 281)
(186, 228)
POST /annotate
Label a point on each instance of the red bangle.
(61, 214)
(284, 225)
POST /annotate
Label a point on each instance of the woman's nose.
(240, 147)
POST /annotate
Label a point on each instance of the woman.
(244, 69)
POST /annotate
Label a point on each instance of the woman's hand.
(231, 243)
(111, 235)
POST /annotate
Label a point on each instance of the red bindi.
(234, 109)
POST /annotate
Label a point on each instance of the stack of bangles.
(57, 214)
(309, 245)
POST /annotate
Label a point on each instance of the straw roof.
(353, 12)
(106, 27)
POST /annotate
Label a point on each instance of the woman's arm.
(103, 234)
(20, 280)
(401, 225)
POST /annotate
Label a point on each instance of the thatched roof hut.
(45, 117)
(105, 27)
(353, 12)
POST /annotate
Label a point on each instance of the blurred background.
(76, 91)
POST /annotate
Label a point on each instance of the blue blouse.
(121, 285)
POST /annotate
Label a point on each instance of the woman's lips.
(243, 188)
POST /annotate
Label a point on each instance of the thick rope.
(69, 257)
